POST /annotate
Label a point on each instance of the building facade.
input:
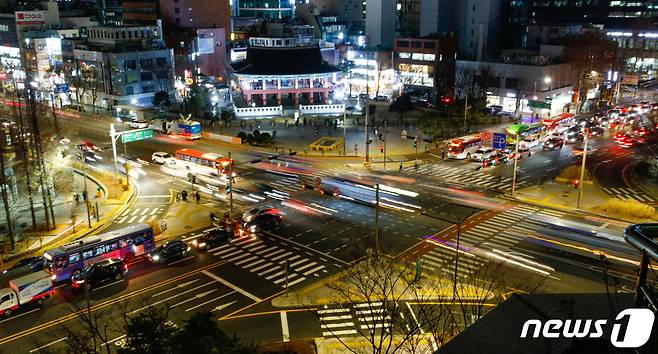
(273, 74)
(122, 65)
(425, 64)
(520, 85)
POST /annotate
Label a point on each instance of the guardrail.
(246, 112)
(322, 109)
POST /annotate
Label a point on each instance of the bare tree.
(88, 83)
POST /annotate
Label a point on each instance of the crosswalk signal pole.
(377, 219)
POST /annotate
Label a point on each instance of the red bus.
(561, 121)
(462, 148)
(203, 163)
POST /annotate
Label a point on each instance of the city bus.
(203, 163)
(560, 122)
(126, 243)
(462, 148)
(523, 130)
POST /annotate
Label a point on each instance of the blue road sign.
(499, 141)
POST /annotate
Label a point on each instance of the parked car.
(163, 158)
(213, 238)
(99, 273)
(169, 251)
(139, 124)
(553, 143)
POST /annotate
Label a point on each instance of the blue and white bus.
(126, 243)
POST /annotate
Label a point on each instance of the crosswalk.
(628, 193)
(349, 320)
(139, 215)
(269, 261)
(460, 175)
(500, 232)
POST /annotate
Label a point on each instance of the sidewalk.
(67, 228)
(299, 137)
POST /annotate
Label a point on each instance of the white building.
(524, 87)
(380, 23)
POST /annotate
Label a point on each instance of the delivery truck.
(183, 127)
(30, 288)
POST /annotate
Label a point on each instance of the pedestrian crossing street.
(139, 214)
(347, 321)
(466, 177)
(500, 233)
(268, 261)
(628, 193)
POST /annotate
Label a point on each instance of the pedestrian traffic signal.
(576, 183)
(415, 144)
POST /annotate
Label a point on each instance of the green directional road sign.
(136, 135)
(539, 104)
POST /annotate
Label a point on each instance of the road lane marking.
(168, 298)
(197, 296)
(284, 326)
(179, 286)
(49, 344)
(17, 316)
(211, 300)
(180, 260)
(104, 304)
(232, 286)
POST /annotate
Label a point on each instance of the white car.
(529, 142)
(483, 153)
(163, 158)
(139, 124)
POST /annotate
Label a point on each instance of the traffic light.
(381, 148)
(446, 100)
(415, 144)
(576, 183)
(228, 188)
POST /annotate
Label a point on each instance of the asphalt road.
(322, 234)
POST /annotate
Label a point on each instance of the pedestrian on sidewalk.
(76, 197)
(286, 123)
(400, 169)
(197, 196)
(184, 195)
(177, 196)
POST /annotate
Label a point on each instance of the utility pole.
(377, 219)
(230, 182)
(516, 161)
(454, 285)
(367, 133)
(86, 286)
(385, 144)
(582, 168)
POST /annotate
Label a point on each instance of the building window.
(429, 45)
(403, 44)
(161, 61)
(429, 57)
(416, 44)
(404, 55)
(4, 28)
(176, 10)
(417, 56)
(177, 20)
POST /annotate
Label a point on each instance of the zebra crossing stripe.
(313, 270)
(268, 264)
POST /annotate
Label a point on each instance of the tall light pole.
(582, 168)
(344, 124)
